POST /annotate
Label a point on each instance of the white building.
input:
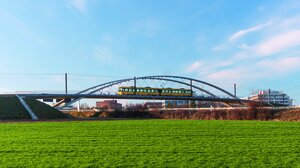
(271, 96)
(176, 103)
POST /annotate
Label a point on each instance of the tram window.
(126, 90)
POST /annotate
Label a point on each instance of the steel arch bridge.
(202, 91)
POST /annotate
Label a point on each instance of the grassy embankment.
(153, 143)
(11, 108)
(44, 111)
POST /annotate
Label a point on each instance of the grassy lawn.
(150, 143)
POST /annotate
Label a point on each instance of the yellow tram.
(148, 91)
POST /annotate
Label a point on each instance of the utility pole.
(269, 92)
(234, 88)
(66, 83)
(190, 102)
(134, 85)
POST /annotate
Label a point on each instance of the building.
(151, 105)
(271, 96)
(175, 103)
(109, 104)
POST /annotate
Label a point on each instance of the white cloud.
(242, 33)
(245, 59)
(279, 43)
(221, 47)
(236, 36)
(280, 65)
(224, 75)
(244, 46)
(195, 66)
(80, 5)
(227, 71)
(103, 54)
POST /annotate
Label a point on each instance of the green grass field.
(150, 143)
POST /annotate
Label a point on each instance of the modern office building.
(271, 96)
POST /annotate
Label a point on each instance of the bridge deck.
(115, 96)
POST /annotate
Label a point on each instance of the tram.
(148, 91)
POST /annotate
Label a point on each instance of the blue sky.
(255, 44)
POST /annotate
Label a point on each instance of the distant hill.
(11, 108)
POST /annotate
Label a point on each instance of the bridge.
(201, 91)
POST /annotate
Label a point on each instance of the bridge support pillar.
(78, 105)
(135, 85)
(191, 83)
